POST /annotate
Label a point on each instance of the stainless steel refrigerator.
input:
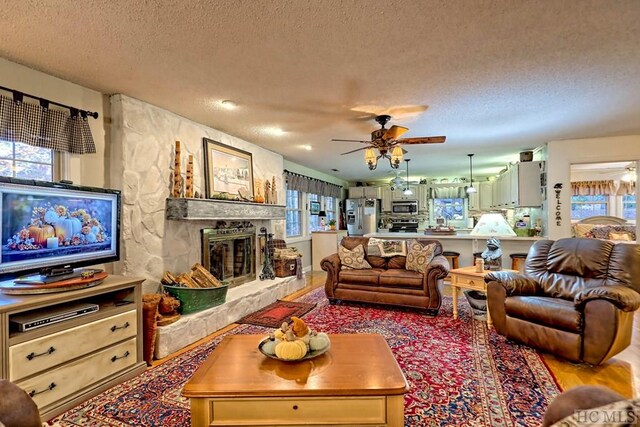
(362, 216)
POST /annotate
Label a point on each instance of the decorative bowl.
(310, 354)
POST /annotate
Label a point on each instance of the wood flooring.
(621, 373)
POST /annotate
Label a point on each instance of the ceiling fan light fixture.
(396, 157)
(471, 188)
(407, 191)
(370, 158)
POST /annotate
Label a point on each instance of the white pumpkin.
(67, 227)
(269, 347)
(319, 341)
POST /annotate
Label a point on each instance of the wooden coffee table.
(356, 382)
(467, 278)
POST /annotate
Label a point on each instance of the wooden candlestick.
(177, 177)
(188, 191)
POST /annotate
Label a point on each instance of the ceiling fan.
(388, 141)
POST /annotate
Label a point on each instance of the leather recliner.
(575, 299)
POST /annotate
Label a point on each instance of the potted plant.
(332, 224)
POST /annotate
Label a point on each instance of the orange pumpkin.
(40, 234)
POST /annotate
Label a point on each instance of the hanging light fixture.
(394, 159)
(629, 175)
(370, 158)
(407, 191)
(471, 188)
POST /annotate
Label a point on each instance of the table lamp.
(492, 225)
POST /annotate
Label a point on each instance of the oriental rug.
(459, 372)
(273, 315)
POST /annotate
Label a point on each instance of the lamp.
(471, 189)
(407, 191)
(629, 175)
(492, 224)
(394, 159)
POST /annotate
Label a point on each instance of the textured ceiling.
(498, 76)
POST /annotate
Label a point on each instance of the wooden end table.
(356, 382)
(468, 278)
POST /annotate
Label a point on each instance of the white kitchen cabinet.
(423, 197)
(364, 192)
(519, 186)
(398, 194)
(387, 197)
(485, 196)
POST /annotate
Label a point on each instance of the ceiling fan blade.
(394, 132)
(423, 140)
(352, 140)
(353, 151)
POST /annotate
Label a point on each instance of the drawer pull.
(295, 407)
(51, 387)
(126, 354)
(125, 326)
(33, 355)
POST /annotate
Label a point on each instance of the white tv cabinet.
(65, 363)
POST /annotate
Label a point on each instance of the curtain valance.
(47, 128)
(626, 188)
(451, 192)
(311, 185)
(591, 188)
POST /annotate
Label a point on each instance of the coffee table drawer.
(287, 411)
(470, 282)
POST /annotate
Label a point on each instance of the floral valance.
(626, 188)
(592, 188)
(311, 185)
(43, 127)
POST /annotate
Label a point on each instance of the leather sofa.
(388, 281)
(575, 299)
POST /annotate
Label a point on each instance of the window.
(314, 220)
(587, 206)
(330, 208)
(294, 213)
(19, 160)
(629, 207)
(449, 209)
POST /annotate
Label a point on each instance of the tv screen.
(55, 227)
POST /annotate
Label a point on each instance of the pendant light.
(471, 189)
(407, 191)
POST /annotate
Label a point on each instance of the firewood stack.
(198, 277)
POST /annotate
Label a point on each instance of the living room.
(511, 79)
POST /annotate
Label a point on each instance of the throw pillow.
(373, 247)
(622, 235)
(419, 257)
(391, 248)
(353, 259)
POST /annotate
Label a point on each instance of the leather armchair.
(575, 299)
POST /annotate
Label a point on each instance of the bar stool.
(453, 258)
(517, 261)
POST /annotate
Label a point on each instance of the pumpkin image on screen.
(39, 234)
(67, 227)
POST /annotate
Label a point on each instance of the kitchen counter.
(390, 235)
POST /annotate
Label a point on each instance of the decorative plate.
(310, 354)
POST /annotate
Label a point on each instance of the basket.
(285, 267)
(197, 299)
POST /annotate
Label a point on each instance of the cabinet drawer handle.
(126, 354)
(33, 355)
(295, 407)
(49, 388)
(125, 326)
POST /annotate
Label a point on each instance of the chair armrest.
(439, 267)
(331, 263)
(514, 283)
(626, 299)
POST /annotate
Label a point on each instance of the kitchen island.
(467, 244)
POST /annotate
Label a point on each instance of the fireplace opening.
(229, 253)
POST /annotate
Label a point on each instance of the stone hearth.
(241, 300)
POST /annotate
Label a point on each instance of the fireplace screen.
(229, 256)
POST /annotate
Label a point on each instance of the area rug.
(459, 372)
(273, 315)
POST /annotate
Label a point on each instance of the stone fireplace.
(229, 252)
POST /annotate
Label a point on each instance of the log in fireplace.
(229, 253)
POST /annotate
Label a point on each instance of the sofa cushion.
(397, 262)
(555, 313)
(418, 256)
(401, 278)
(360, 277)
(390, 248)
(352, 258)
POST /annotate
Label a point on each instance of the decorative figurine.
(267, 192)
(188, 191)
(492, 255)
(267, 265)
(274, 193)
(177, 175)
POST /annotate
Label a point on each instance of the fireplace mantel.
(183, 209)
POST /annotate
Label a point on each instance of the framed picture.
(314, 207)
(227, 170)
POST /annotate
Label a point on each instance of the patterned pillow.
(419, 257)
(352, 259)
(373, 247)
(391, 248)
(622, 235)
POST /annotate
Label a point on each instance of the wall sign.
(558, 188)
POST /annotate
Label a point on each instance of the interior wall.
(87, 169)
(560, 156)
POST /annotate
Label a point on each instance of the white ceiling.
(498, 76)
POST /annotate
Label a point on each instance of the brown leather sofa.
(576, 298)
(387, 282)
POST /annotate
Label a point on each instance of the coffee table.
(356, 382)
(468, 278)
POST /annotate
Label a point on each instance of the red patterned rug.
(459, 372)
(273, 315)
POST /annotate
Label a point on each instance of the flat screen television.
(50, 228)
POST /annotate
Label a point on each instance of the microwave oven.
(404, 207)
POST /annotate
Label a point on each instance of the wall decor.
(227, 169)
(558, 189)
(314, 207)
(188, 190)
(177, 175)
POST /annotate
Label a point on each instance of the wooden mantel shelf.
(183, 209)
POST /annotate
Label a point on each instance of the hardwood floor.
(621, 373)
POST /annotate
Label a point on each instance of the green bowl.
(197, 299)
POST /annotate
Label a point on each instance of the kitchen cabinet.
(519, 186)
(485, 196)
(398, 194)
(423, 197)
(387, 197)
(364, 192)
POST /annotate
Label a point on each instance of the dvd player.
(47, 316)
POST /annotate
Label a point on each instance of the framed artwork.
(227, 170)
(314, 207)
